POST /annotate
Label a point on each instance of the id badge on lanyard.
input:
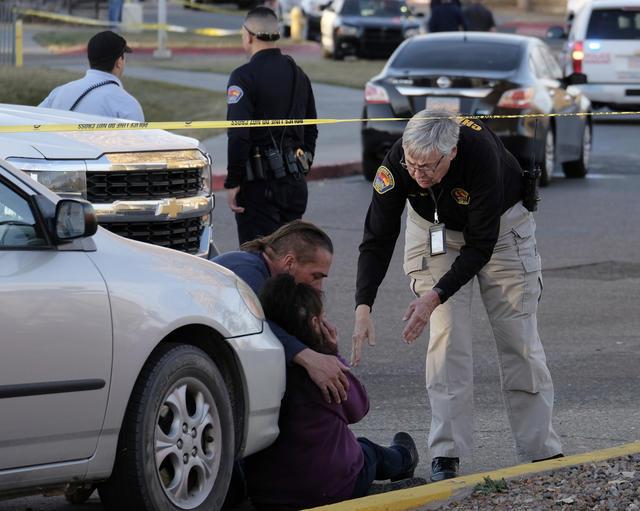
(437, 232)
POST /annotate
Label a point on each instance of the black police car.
(366, 28)
(479, 73)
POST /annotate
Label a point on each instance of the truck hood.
(86, 145)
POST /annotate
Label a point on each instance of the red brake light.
(577, 56)
(375, 94)
(516, 98)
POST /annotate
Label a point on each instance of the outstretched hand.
(418, 314)
(363, 329)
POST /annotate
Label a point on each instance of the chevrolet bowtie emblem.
(169, 207)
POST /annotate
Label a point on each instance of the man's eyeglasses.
(422, 169)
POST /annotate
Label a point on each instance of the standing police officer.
(465, 219)
(266, 186)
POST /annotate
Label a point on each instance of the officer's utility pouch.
(275, 163)
(530, 197)
(304, 160)
(292, 162)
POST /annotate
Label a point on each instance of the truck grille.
(381, 41)
(183, 235)
(109, 186)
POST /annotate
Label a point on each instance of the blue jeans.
(380, 463)
(115, 11)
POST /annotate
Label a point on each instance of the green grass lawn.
(160, 101)
(349, 73)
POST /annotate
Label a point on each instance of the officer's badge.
(234, 94)
(383, 181)
(460, 196)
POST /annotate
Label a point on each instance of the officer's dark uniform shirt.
(263, 89)
(483, 181)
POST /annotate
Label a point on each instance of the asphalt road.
(589, 322)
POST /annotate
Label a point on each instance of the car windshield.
(458, 55)
(381, 8)
(614, 24)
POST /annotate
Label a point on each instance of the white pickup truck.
(147, 185)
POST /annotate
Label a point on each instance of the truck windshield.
(614, 24)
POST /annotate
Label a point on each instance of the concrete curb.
(317, 173)
(455, 489)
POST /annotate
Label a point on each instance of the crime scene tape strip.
(181, 125)
(79, 20)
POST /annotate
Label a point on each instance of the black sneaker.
(559, 455)
(403, 439)
(444, 468)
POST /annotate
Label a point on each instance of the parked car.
(139, 368)
(478, 73)
(365, 28)
(151, 186)
(604, 44)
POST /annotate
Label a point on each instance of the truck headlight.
(65, 177)
(207, 173)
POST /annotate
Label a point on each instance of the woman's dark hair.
(292, 306)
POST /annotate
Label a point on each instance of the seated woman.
(317, 459)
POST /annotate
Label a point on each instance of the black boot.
(444, 468)
(404, 440)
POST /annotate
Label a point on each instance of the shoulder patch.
(470, 124)
(461, 196)
(234, 94)
(384, 181)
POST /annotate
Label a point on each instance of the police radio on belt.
(530, 178)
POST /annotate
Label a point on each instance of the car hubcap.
(188, 440)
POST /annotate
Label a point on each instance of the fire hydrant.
(297, 24)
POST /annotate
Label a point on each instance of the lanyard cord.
(435, 204)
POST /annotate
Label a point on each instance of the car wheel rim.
(549, 155)
(188, 443)
(586, 147)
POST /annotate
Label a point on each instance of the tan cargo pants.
(510, 286)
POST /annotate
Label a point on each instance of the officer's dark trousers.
(269, 205)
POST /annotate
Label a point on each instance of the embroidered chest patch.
(383, 181)
(234, 94)
(460, 196)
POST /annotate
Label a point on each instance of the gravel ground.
(607, 485)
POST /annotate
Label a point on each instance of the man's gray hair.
(431, 130)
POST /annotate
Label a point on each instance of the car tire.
(549, 158)
(179, 416)
(336, 53)
(579, 168)
(370, 166)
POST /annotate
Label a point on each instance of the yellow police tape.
(79, 20)
(181, 125)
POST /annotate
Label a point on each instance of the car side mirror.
(556, 32)
(574, 79)
(74, 219)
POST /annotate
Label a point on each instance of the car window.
(381, 8)
(539, 65)
(614, 24)
(459, 55)
(552, 64)
(18, 226)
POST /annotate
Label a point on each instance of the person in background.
(478, 17)
(446, 16)
(267, 166)
(115, 12)
(316, 459)
(100, 91)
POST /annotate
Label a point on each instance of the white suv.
(604, 44)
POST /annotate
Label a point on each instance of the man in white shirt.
(100, 91)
